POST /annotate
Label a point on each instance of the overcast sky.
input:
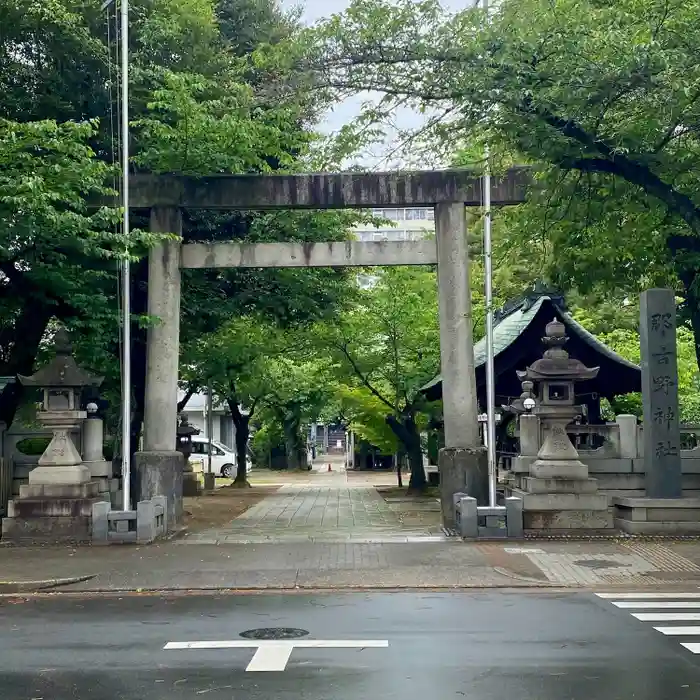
(314, 10)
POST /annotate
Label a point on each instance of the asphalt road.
(490, 645)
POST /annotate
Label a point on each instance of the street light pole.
(488, 294)
(126, 272)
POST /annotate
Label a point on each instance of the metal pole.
(490, 378)
(126, 273)
(210, 422)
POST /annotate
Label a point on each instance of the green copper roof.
(510, 327)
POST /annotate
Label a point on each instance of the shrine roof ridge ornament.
(349, 190)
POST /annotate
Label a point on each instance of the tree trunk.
(692, 301)
(242, 424)
(28, 332)
(407, 433)
(291, 442)
(139, 336)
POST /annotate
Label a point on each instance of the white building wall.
(195, 410)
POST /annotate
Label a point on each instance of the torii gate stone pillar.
(158, 468)
(462, 462)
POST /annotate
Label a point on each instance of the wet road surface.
(485, 645)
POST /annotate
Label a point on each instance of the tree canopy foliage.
(603, 96)
(210, 91)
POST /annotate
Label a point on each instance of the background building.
(412, 224)
(196, 412)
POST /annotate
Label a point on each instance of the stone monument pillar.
(662, 440)
(56, 505)
(663, 510)
(558, 495)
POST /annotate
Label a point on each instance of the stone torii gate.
(158, 467)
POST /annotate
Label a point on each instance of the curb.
(34, 586)
(213, 591)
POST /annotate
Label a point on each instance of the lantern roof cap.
(62, 371)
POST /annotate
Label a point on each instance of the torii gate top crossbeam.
(325, 190)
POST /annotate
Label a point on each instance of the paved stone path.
(328, 508)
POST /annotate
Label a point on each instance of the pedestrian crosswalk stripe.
(647, 596)
(657, 605)
(667, 617)
(668, 607)
(679, 631)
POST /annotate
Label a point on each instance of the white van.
(223, 459)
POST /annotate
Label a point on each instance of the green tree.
(210, 92)
(234, 362)
(388, 344)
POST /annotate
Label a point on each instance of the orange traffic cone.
(329, 468)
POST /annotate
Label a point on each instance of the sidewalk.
(338, 530)
(447, 564)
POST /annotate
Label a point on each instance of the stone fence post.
(628, 436)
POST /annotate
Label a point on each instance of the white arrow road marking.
(273, 655)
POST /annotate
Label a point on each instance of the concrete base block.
(46, 530)
(209, 481)
(462, 470)
(633, 527)
(678, 516)
(100, 469)
(191, 486)
(521, 465)
(160, 474)
(532, 484)
(565, 520)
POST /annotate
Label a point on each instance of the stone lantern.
(185, 431)
(190, 482)
(556, 374)
(61, 383)
(521, 405)
(557, 493)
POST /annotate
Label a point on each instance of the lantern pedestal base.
(59, 475)
(54, 513)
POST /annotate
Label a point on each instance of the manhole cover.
(600, 564)
(274, 633)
